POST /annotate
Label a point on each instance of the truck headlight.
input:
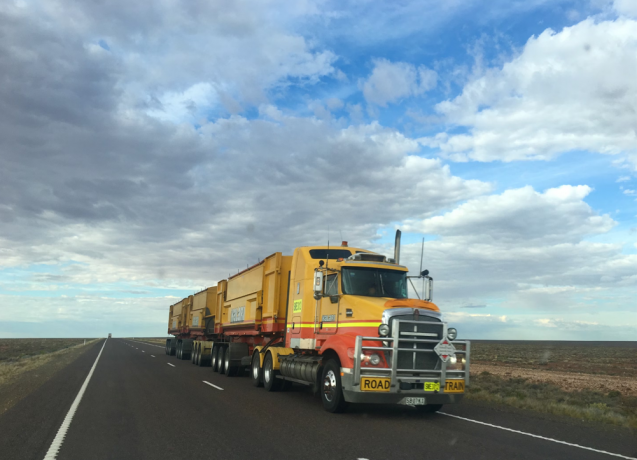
(383, 330)
(374, 359)
(452, 333)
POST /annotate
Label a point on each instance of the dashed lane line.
(152, 356)
(172, 365)
(538, 436)
(212, 385)
(59, 437)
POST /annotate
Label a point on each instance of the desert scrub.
(612, 407)
(21, 355)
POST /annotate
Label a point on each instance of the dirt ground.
(592, 358)
(568, 381)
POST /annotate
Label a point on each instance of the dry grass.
(21, 355)
(153, 340)
(589, 381)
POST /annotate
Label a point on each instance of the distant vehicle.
(335, 318)
(110, 335)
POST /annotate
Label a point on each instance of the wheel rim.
(227, 356)
(255, 367)
(267, 372)
(329, 385)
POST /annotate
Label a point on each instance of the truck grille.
(417, 360)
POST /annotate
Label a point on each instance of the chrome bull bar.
(409, 375)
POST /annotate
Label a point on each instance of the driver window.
(331, 285)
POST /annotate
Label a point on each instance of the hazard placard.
(445, 350)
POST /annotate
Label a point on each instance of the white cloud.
(623, 179)
(240, 50)
(571, 90)
(626, 8)
(391, 81)
(526, 250)
(557, 215)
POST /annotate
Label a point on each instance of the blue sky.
(145, 155)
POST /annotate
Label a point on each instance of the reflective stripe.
(340, 325)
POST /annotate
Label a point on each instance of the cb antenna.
(422, 253)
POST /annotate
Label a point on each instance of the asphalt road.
(137, 406)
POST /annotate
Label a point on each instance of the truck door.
(327, 318)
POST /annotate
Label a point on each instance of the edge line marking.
(538, 436)
(54, 449)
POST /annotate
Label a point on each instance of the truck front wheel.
(331, 387)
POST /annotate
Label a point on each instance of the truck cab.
(351, 307)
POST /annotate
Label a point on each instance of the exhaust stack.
(397, 248)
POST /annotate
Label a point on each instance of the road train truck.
(338, 319)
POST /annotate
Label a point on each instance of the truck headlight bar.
(383, 330)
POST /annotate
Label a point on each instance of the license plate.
(414, 401)
(375, 384)
(432, 386)
(454, 386)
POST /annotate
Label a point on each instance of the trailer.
(338, 319)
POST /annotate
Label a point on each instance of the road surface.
(141, 404)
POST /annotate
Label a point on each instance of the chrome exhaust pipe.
(397, 248)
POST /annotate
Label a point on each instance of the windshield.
(375, 282)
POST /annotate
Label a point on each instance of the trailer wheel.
(193, 355)
(429, 408)
(270, 382)
(256, 373)
(215, 358)
(221, 360)
(331, 388)
(178, 353)
(228, 368)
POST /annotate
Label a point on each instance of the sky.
(149, 151)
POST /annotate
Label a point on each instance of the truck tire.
(178, 353)
(270, 382)
(331, 387)
(429, 408)
(193, 355)
(228, 368)
(215, 358)
(221, 368)
(256, 373)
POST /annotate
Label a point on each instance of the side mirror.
(318, 284)
(334, 298)
(424, 273)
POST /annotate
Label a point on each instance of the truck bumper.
(352, 393)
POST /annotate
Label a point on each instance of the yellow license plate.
(375, 384)
(454, 386)
(432, 386)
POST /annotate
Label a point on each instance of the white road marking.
(171, 364)
(152, 356)
(538, 437)
(59, 437)
(212, 385)
(143, 351)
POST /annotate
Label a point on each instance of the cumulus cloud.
(523, 249)
(127, 196)
(568, 90)
(391, 81)
(195, 59)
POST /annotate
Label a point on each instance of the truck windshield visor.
(375, 282)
